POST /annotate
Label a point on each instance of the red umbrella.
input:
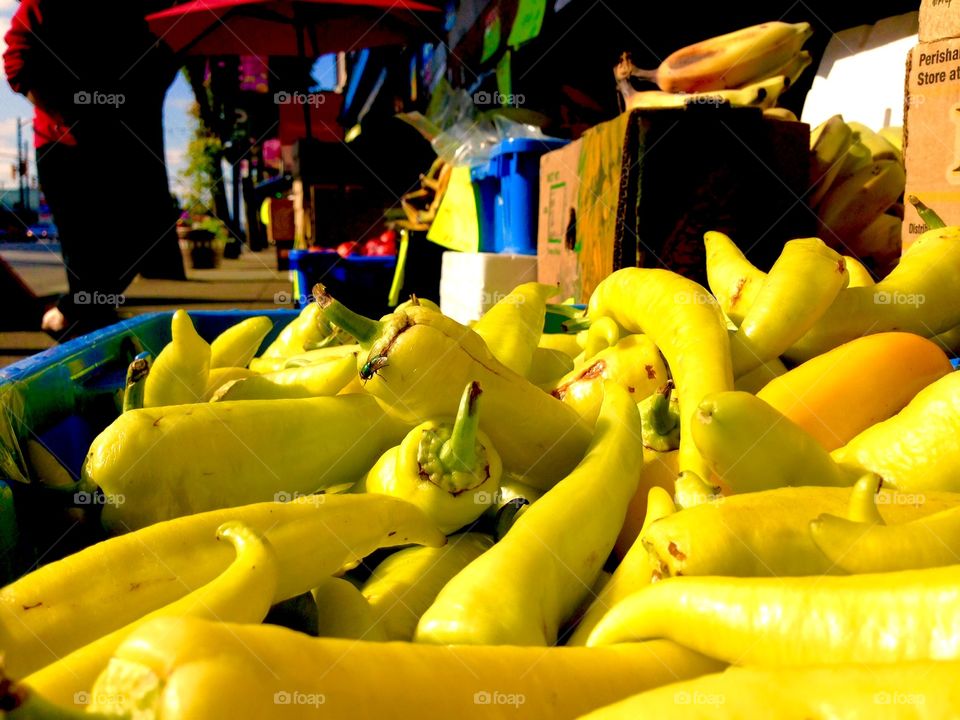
(288, 27)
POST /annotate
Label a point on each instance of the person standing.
(97, 79)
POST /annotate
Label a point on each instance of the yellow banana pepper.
(634, 363)
(801, 285)
(733, 279)
(451, 471)
(221, 376)
(548, 366)
(603, 333)
(186, 668)
(342, 612)
(567, 344)
(920, 295)
(885, 617)
(660, 417)
(179, 374)
(846, 390)
(236, 346)
(318, 356)
(303, 332)
(404, 585)
(905, 691)
(751, 446)
(160, 463)
(758, 378)
(115, 582)
(633, 572)
(521, 590)
(859, 275)
(684, 321)
(418, 362)
(243, 593)
(871, 547)
(512, 328)
(318, 380)
(918, 449)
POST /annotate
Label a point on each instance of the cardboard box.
(557, 258)
(939, 20)
(650, 183)
(931, 133)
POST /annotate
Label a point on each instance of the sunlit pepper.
(451, 471)
(418, 362)
(180, 372)
(512, 328)
(236, 346)
(317, 380)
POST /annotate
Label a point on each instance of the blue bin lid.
(527, 145)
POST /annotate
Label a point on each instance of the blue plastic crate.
(362, 283)
(62, 398)
(507, 189)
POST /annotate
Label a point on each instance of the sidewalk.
(251, 281)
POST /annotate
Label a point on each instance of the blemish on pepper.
(676, 552)
(735, 298)
(651, 371)
(35, 605)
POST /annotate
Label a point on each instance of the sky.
(178, 125)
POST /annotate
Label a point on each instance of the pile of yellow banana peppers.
(647, 516)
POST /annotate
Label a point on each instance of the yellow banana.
(879, 146)
(733, 279)
(762, 94)
(850, 206)
(857, 158)
(880, 241)
(779, 113)
(894, 136)
(829, 143)
(801, 285)
(734, 59)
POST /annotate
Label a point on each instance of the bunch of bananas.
(858, 179)
(752, 67)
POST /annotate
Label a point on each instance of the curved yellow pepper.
(685, 322)
(801, 285)
(846, 390)
(449, 470)
(634, 363)
(418, 362)
(236, 346)
(921, 295)
(733, 279)
(317, 380)
(221, 376)
(751, 446)
(859, 275)
(178, 669)
(760, 376)
(243, 593)
(180, 372)
(919, 447)
(521, 590)
(633, 572)
(884, 617)
(513, 326)
(115, 582)
(404, 585)
(303, 332)
(905, 691)
(343, 612)
(870, 547)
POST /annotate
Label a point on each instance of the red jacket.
(22, 40)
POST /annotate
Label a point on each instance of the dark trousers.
(111, 224)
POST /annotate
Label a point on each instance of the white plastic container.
(472, 283)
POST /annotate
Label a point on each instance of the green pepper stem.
(137, 373)
(661, 420)
(926, 214)
(459, 453)
(576, 325)
(362, 328)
